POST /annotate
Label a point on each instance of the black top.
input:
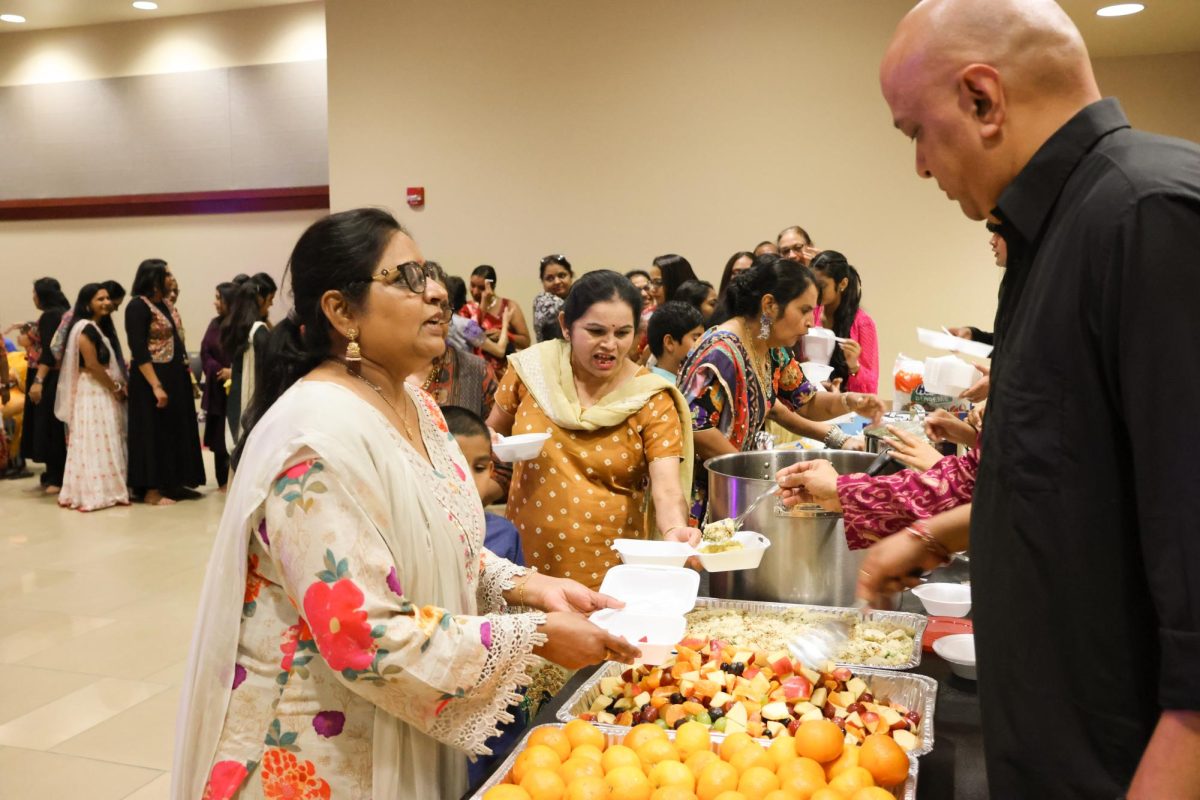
(47, 324)
(102, 354)
(1084, 532)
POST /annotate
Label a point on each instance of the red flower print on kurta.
(286, 778)
(224, 780)
(339, 627)
(254, 581)
(296, 471)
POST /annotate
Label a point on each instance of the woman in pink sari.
(91, 403)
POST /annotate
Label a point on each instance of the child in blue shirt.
(672, 333)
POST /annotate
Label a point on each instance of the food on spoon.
(719, 532)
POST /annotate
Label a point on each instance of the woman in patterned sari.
(742, 373)
(352, 639)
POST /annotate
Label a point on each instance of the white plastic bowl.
(944, 599)
(521, 447)
(959, 651)
(655, 553)
(816, 373)
(748, 556)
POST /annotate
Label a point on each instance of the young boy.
(475, 441)
(673, 330)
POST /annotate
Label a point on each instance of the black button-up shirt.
(1085, 533)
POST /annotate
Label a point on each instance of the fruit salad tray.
(636, 769)
(881, 640)
(763, 694)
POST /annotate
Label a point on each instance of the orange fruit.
(574, 768)
(698, 761)
(672, 773)
(506, 791)
(757, 782)
(735, 742)
(537, 757)
(580, 732)
(588, 751)
(852, 780)
(642, 734)
(544, 784)
(753, 756)
(826, 794)
(554, 738)
(673, 793)
(628, 783)
(780, 794)
(587, 789)
(731, 795)
(781, 749)
(655, 750)
(884, 759)
(715, 778)
(801, 777)
(873, 793)
(690, 738)
(619, 756)
(848, 759)
(820, 740)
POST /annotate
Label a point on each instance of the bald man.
(1085, 530)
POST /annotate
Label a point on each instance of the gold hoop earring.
(353, 353)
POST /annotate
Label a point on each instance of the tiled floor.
(96, 613)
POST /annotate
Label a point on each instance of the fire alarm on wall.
(416, 196)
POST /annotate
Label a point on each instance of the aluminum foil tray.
(903, 619)
(906, 791)
(916, 692)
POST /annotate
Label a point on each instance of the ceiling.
(1166, 26)
(69, 13)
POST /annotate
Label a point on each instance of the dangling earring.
(764, 327)
(353, 353)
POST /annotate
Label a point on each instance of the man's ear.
(981, 89)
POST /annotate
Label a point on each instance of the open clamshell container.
(613, 736)
(656, 601)
(651, 552)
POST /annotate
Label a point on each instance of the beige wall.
(618, 131)
(202, 250)
(615, 132)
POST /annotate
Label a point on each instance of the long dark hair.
(487, 272)
(694, 293)
(226, 292)
(336, 253)
(50, 295)
(676, 271)
(151, 278)
(599, 286)
(834, 266)
(456, 287)
(782, 278)
(240, 315)
(83, 310)
(727, 274)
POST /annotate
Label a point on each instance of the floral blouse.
(328, 635)
(725, 394)
(873, 508)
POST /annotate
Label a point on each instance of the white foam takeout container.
(818, 345)
(940, 340)
(521, 447)
(646, 552)
(656, 601)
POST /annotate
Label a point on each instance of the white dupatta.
(355, 442)
(68, 376)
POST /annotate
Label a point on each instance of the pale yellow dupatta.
(545, 369)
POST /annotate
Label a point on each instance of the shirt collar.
(1027, 201)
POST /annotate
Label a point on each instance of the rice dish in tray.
(870, 643)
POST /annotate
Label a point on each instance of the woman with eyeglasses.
(556, 275)
(352, 640)
(165, 463)
(487, 309)
(795, 243)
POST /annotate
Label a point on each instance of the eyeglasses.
(793, 249)
(656, 282)
(415, 275)
(554, 259)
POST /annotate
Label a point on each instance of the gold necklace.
(379, 391)
(757, 363)
(434, 371)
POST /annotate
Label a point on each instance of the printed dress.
(725, 394)
(334, 629)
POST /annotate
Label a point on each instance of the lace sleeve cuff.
(508, 669)
(498, 576)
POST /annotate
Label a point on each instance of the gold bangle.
(919, 531)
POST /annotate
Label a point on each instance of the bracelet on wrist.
(835, 437)
(919, 531)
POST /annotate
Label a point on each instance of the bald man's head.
(980, 86)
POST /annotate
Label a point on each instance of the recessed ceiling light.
(11, 18)
(1120, 10)
(145, 5)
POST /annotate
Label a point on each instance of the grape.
(719, 725)
(704, 718)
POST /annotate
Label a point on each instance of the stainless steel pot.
(909, 423)
(808, 561)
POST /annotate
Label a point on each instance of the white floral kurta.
(328, 634)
